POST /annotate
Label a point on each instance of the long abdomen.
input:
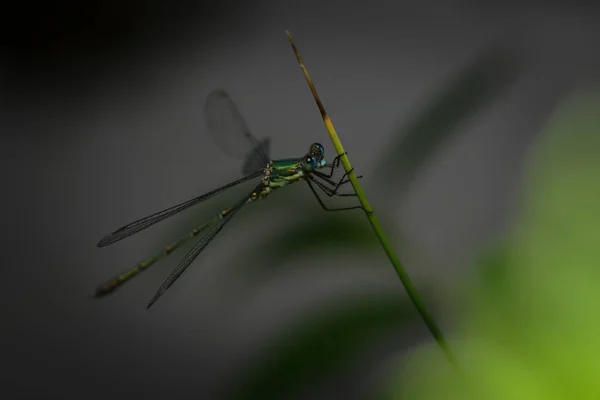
(119, 280)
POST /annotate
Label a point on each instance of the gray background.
(101, 123)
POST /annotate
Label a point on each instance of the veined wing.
(143, 223)
(117, 281)
(231, 133)
(200, 246)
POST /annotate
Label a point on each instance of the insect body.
(227, 126)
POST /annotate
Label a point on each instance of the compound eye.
(317, 147)
(317, 150)
(310, 162)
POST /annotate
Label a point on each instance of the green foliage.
(532, 328)
(335, 232)
(314, 350)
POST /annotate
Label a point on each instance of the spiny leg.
(332, 191)
(323, 204)
(324, 177)
(329, 191)
(334, 164)
(340, 182)
(345, 176)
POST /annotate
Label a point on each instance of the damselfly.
(232, 135)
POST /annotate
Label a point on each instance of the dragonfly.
(231, 134)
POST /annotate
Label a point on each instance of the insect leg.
(321, 201)
(333, 191)
(334, 164)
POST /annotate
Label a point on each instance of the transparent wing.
(199, 247)
(146, 222)
(255, 159)
(230, 132)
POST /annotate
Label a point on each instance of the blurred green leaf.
(322, 232)
(310, 232)
(321, 346)
(474, 88)
(531, 329)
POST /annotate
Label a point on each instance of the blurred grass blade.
(312, 352)
(474, 88)
(323, 232)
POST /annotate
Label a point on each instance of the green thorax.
(286, 167)
(282, 172)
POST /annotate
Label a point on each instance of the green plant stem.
(404, 278)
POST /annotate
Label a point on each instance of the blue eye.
(317, 151)
(317, 148)
(310, 163)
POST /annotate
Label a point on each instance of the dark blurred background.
(101, 123)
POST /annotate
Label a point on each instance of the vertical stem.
(404, 278)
